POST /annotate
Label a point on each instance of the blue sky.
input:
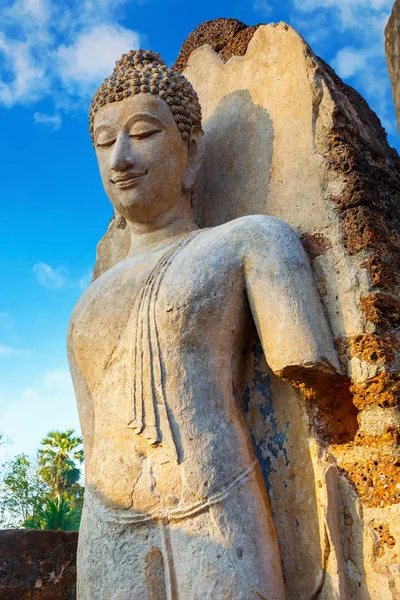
(53, 55)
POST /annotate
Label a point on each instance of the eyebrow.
(100, 128)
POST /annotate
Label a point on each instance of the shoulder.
(257, 225)
(81, 304)
(95, 288)
(260, 233)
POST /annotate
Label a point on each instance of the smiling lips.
(127, 180)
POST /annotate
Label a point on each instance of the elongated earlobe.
(195, 157)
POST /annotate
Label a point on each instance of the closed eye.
(105, 142)
(142, 135)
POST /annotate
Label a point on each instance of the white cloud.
(50, 49)
(38, 10)
(100, 10)
(7, 350)
(350, 13)
(92, 56)
(365, 69)
(53, 122)
(263, 7)
(361, 63)
(57, 278)
(22, 79)
(345, 16)
(51, 277)
(349, 61)
(31, 17)
(26, 416)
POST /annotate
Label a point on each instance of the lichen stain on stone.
(374, 348)
(315, 245)
(359, 228)
(376, 481)
(381, 309)
(368, 206)
(391, 437)
(383, 349)
(386, 540)
(381, 272)
(331, 411)
(268, 438)
(382, 390)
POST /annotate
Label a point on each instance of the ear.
(194, 157)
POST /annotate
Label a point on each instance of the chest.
(182, 298)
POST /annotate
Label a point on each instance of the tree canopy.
(58, 458)
(44, 493)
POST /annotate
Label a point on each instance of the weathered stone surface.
(392, 43)
(228, 37)
(175, 500)
(37, 565)
(286, 137)
(333, 177)
(112, 248)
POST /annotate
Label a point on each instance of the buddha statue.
(175, 503)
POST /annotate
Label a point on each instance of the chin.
(136, 209)
(128, 200)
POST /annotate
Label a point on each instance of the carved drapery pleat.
(150, 410)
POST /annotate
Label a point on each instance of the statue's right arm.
(83, 396)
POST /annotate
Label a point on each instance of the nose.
(122, 155)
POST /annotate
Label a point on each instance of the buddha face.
(143, 160)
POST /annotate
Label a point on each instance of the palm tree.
(58, 460)
(54, 516)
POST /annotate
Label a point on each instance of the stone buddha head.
(145, 123)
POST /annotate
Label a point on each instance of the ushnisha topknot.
(144, 71)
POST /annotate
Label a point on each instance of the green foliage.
(74, 496)
(44, 494)
(22, 491)
(57, 458)
(55, 516)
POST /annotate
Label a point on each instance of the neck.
(176, 221)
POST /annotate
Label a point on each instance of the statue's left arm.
(285, 304)
(83, 396)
